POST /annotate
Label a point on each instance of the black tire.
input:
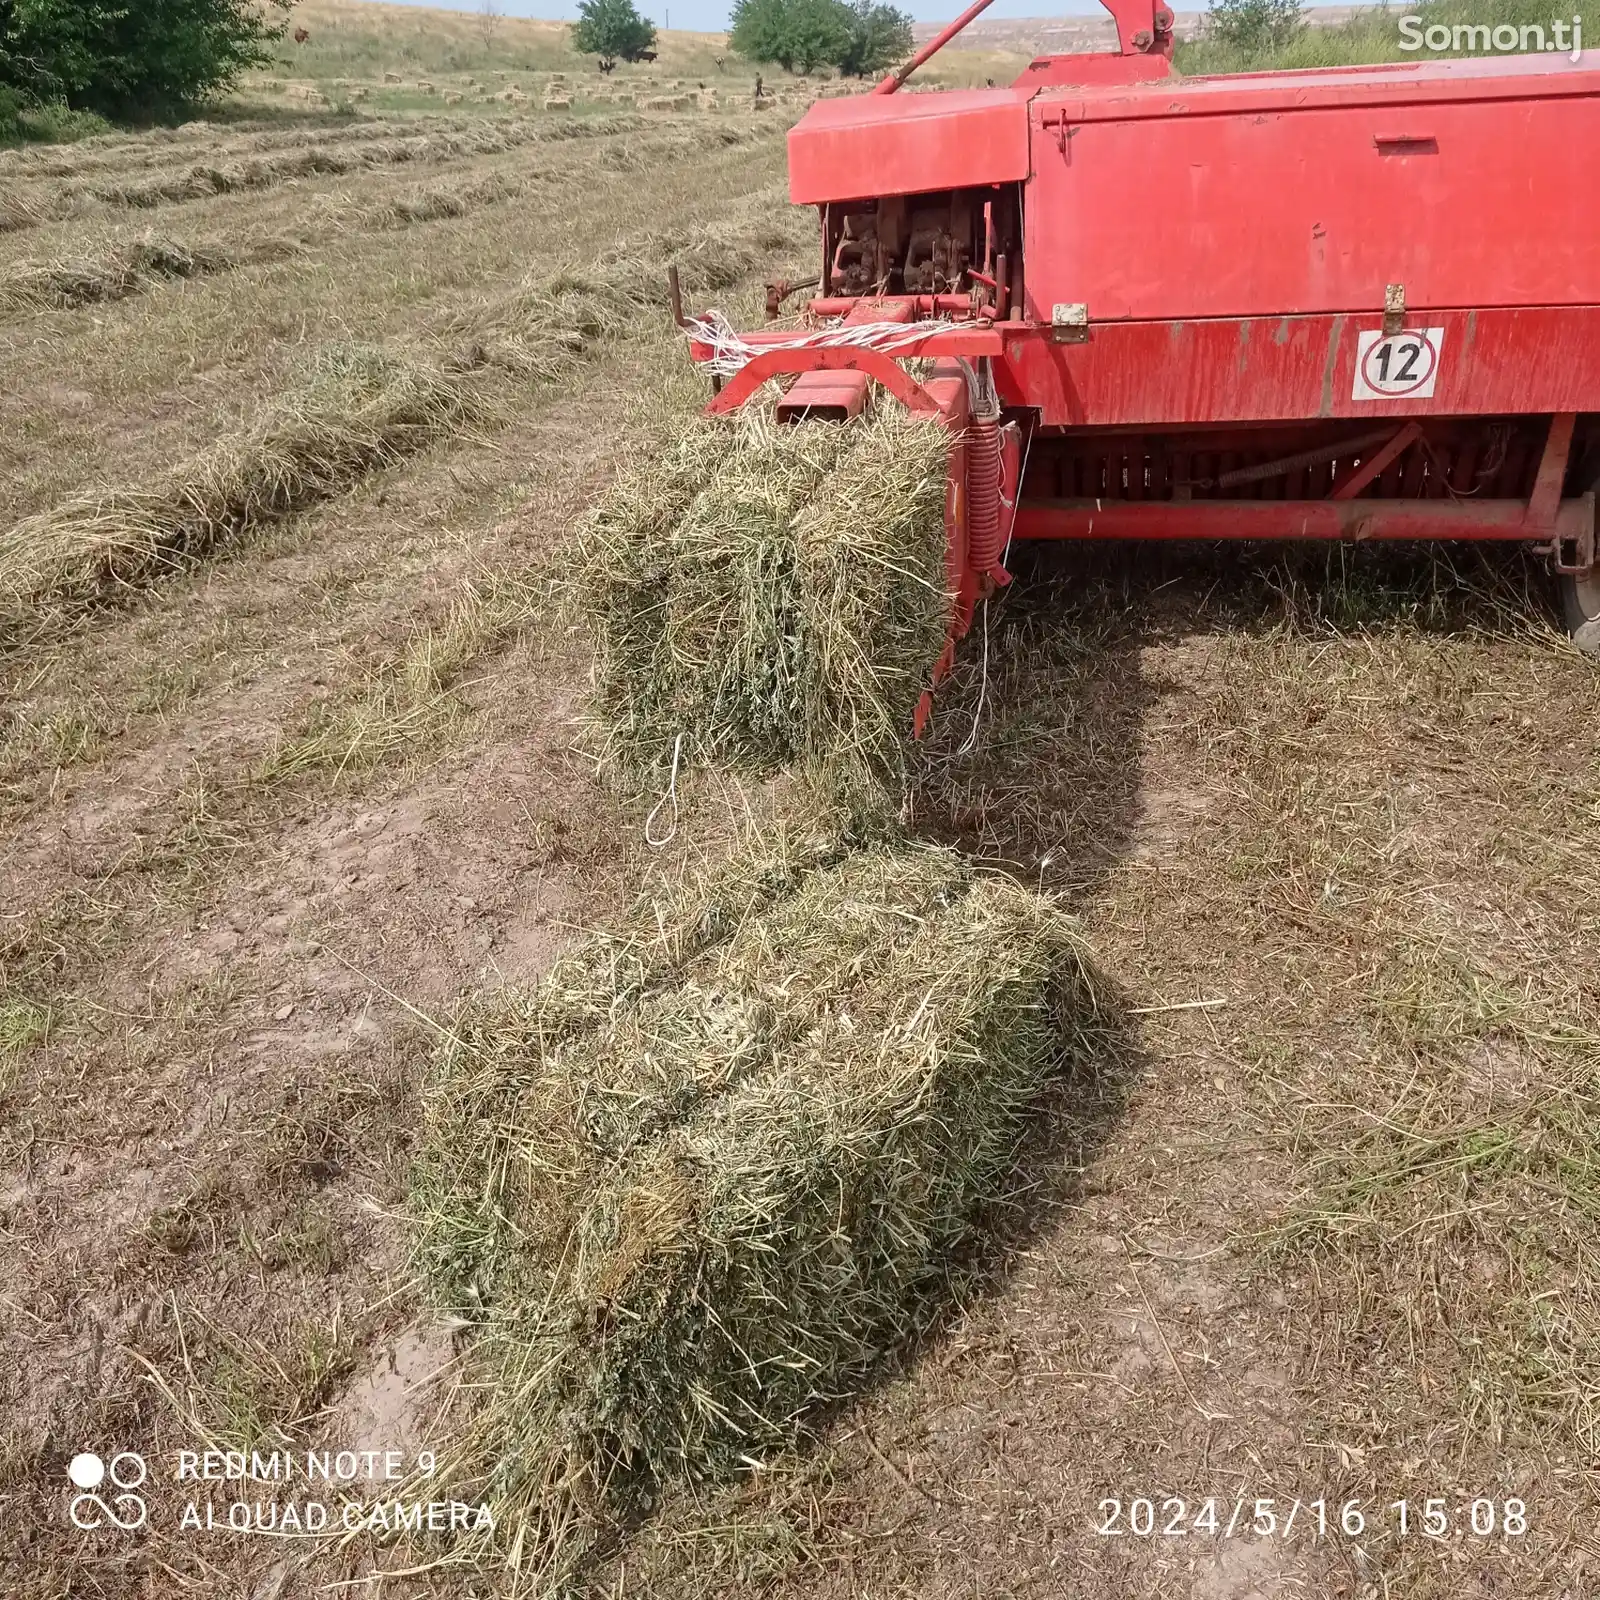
(1580, 608)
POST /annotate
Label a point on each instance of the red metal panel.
(1292, 196)
(1297, 519)
(1469, 78)
(1102, 68)
(1285, 369)
(869, 145)
(839, 394)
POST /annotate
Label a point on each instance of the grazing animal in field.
(301, 35)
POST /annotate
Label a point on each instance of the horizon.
(711, 16)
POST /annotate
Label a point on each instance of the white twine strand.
(731, 352)
(672, 796)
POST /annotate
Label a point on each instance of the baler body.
(1352, 302)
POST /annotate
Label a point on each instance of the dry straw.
(361, 408)
(128, 270)
(776, 595)
(358, 409)
(536, 329)
(201, 180)
(698, 1185)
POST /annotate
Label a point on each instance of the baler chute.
(1349, 303)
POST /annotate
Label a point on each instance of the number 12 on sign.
(1397, 366)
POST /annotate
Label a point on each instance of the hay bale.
(454, 97)
(701, 1182)
(393, 77)
(777, 595)
(553, 104)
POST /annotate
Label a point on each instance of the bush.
(53, 123)
(117, 59)
(1254, 25)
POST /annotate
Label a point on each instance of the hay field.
(292, 754)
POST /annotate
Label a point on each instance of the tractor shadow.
(1038, 765)
(1035, 762)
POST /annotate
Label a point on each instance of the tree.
(122, 57)
(612, 28)
(1254, 26)
(880, 35)
(489, 15)
(802, 35)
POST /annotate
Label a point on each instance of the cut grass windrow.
(128, 270)
(358, 410)
(124, 270)
(204, 180)
(122, 154)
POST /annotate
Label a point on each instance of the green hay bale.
(697, 1187)
(777, 596)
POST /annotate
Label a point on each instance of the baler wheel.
(1580, 608)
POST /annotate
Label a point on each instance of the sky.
(711, 15)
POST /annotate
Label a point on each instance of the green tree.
(799, 35)
(1254, 26)
(880, 35)
(612, 28)
(130, 56)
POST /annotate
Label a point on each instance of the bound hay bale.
(775, 596)
(359, 408)
(553, 104)
(454, 97)
(393, 77)
(704, 1180)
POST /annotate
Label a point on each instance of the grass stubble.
(1406, 785)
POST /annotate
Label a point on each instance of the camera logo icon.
(120, 1507)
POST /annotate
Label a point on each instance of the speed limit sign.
(1397, 366)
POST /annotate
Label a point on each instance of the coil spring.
(983, 495)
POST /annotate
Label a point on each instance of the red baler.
(1347, 303)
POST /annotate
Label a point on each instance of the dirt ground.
(1318, 1232)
